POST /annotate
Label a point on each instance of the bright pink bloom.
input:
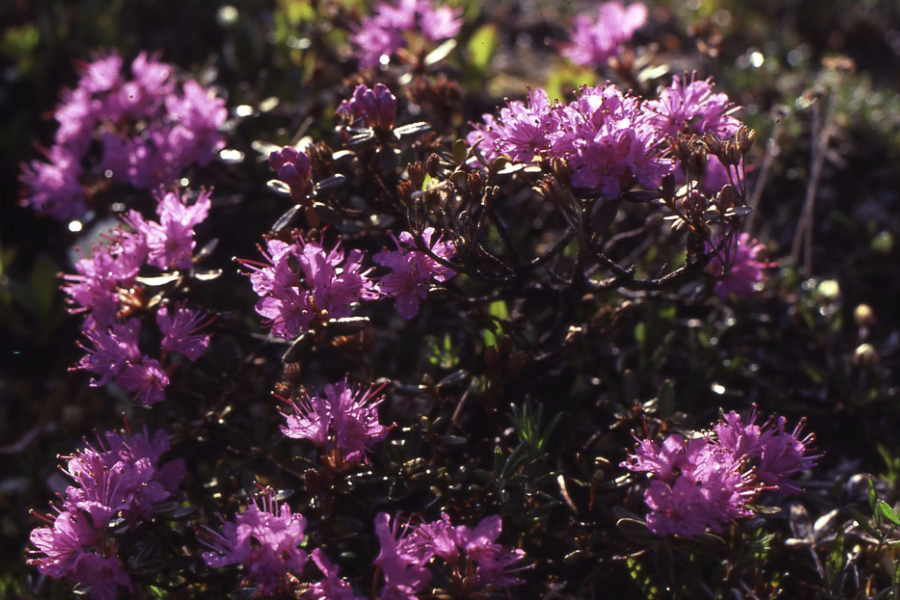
(330, 588)
(413, 271)
(692, 107)
(348, 417)
(62, 544)
(382, 33)
(178, 331)
(594, 41)
(679, 510)
(146, 380)
(301, 280)
(170, 242)
(265, 539)
(375, 106)
(112, 349)
(404, 573)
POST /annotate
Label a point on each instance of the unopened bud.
(864, 316)
(727, 196)
(668, 187)
(697, 162)
(713, 142)
(474, 183)
(865, 356)
(745, 138)
(433, 164)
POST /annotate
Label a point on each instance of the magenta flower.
(178, 331)
(145, 379)
(294, 168)
(347, 417)
(178, 128)
(692, 107)
(708, 482)
(265, 539)
(54, 187)
(118, 476)
(381, 34)
(676, 510)
(331, 587)
(301, 281)
(745, 271)
(606, 136)
(493, 560)
(594, 41)
(62, 544)
(170, 242)
(112, 349)
(413, 271)
(404, 573)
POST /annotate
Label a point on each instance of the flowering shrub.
(394, 349)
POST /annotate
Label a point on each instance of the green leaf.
(863, 521)
(873, 497)
(887, 513)
(482, 45)
(497, 309)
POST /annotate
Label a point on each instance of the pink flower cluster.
(300, 282)
(294, 168)
(607, 137)
(594, 41)
(345, 419)
(150, 131)
(611, 140)
(404, 555)
(106, 289)
(745, 271)
(265, 540)
(708, 481)
(118, 477)
(382, 34)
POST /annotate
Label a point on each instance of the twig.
(772, 150)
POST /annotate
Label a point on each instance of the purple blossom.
(413, 271)
(54, 187)
(178, 127)
(294, 168)
(101, 74)
(118, 475)
(346, 416)
(606, 136)
(201, 114)
(331, 587)
(178, 329)
(692, 107)
(265, 539)
(170, 242)
(404, 573)
(745, 271)
(707, 482)
(111, 350)
(594, 41)
(299, 281)
(381, 34)
(145, 379)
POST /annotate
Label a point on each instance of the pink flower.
(376, 106)
(493, 560)
(112, 349)
(201, 114)
(63, 544)
(54, 187)
(330, 588)
(404, 573)
(170, 242)
(101, 74)
(382, 33)
(692, 107)
(301, 280)
(265, 539)
(177, 330)
(146, 379)
(661, 462)
(104, 574)
(594, 41)
(679, 510)
(413, 271)
(745, 271)
(349, 416)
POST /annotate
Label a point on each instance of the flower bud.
(294, 168)
(745, 138)
(865, 356)
(864, 316)
(433, 164)
(379, 106)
